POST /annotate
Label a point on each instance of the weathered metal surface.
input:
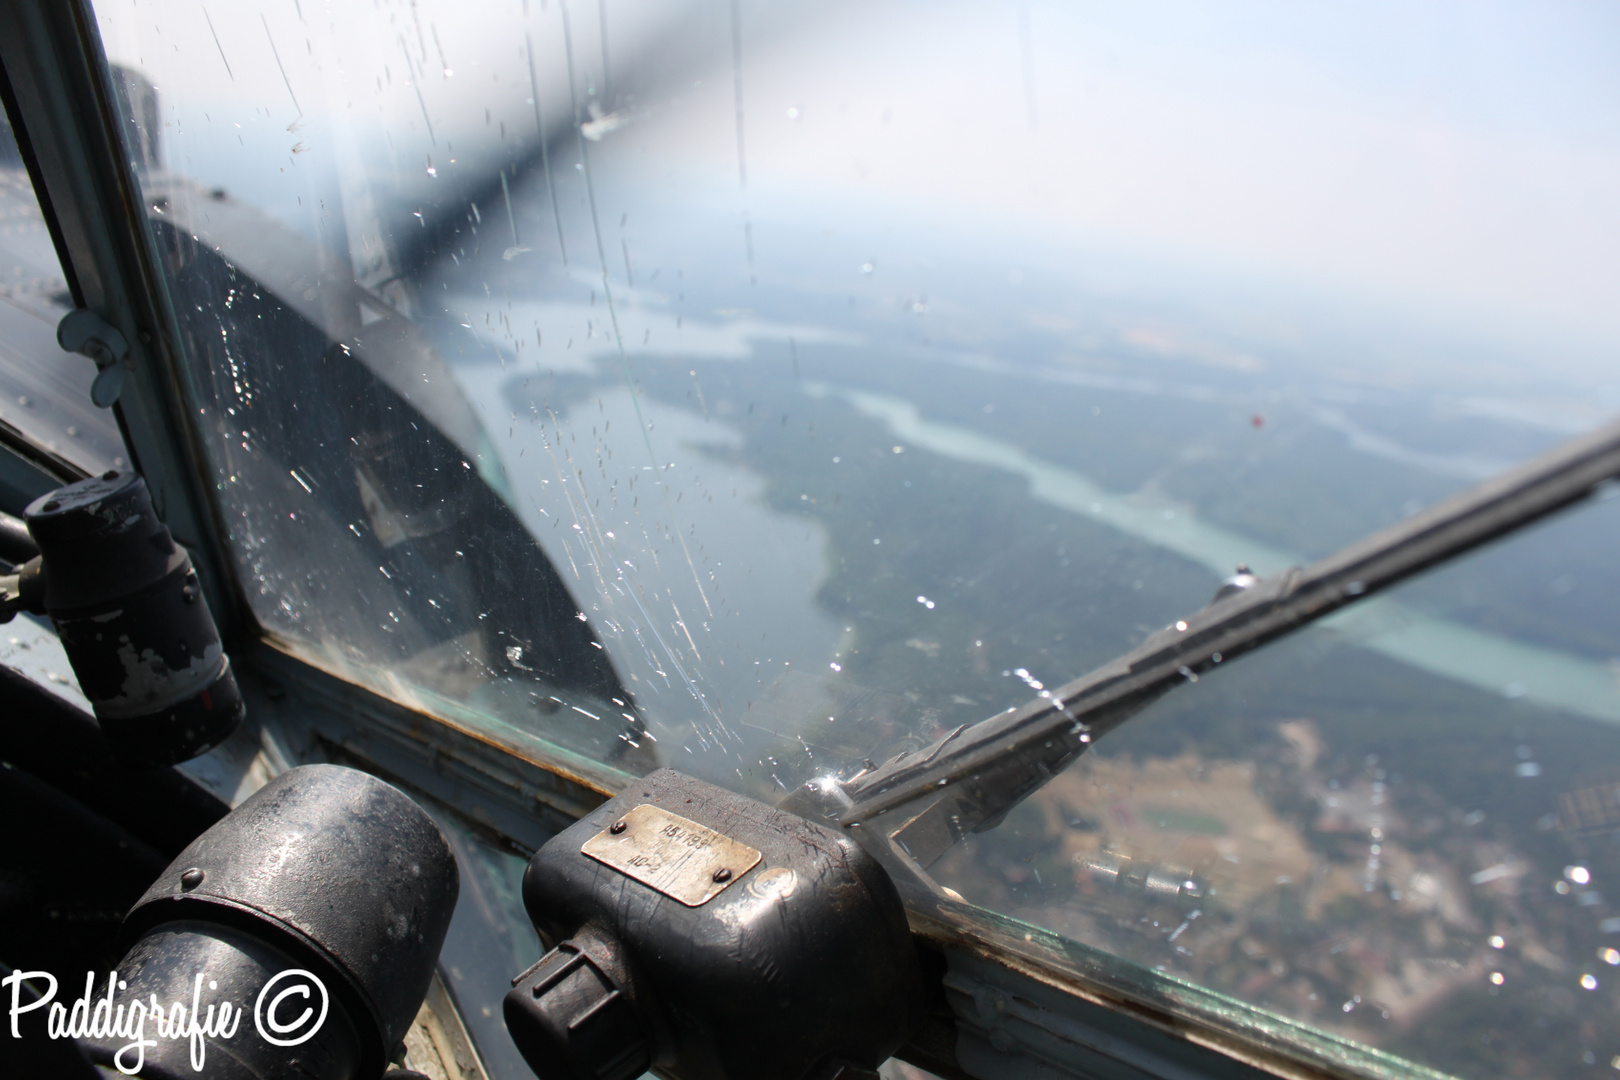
(328, 864)
(129, 610)
(800, 966)
(438, 1046)
(681, 859)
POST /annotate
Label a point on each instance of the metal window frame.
(1014, 1001)
(58, 91)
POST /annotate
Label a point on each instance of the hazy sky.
(1460, 157)
(1465, 156)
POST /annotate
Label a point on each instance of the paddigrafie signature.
(144, 1022)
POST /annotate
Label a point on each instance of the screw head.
(616, 828)
(191, 879)
(722, 875)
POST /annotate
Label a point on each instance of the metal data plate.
(681, 859)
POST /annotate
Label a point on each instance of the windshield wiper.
(915, 806)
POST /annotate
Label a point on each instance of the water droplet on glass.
(1589, 982)
(1497, 979)
(1181, 626)
(1497, 942)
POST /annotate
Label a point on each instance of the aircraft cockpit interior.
(1062, 541)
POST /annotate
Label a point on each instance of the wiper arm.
(924, 801)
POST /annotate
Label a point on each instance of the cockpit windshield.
(765, 390)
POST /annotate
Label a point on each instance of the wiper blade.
(926, 800)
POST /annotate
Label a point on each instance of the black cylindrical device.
(316, 910)
(132, 618)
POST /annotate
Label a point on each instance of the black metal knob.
(573, 1018)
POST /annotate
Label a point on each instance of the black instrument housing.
(802, 966)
